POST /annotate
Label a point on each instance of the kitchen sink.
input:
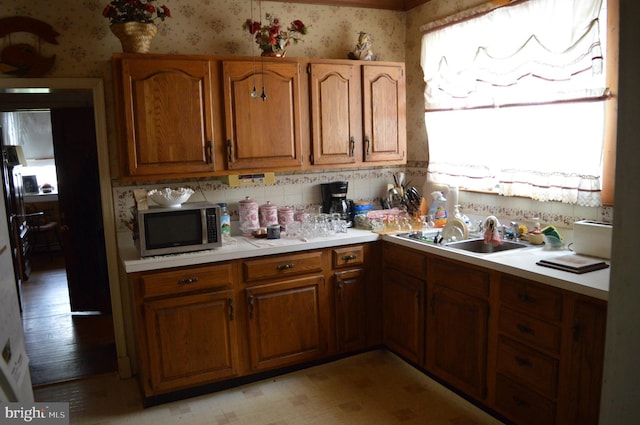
(478, 245)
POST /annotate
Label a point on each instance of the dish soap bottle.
(437, 209)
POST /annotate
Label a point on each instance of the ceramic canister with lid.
(248, 215)
(268, 214)
(285, 216)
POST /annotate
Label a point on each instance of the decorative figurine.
(363, 49)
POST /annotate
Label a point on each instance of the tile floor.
(370, 388)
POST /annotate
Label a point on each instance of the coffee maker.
(334, 199)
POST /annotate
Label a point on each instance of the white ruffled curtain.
(535, 51)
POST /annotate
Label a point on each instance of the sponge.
(552, 231)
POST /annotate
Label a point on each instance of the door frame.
(96, 86)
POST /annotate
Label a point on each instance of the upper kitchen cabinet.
(384, 113)
(165, 115)
(263, 114)
(335, 113)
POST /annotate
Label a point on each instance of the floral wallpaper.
(211, 27)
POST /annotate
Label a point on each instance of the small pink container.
(285, 216)
(268, 214)
(248, 215)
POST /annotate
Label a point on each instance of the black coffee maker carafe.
(334, 199)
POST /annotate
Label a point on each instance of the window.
(515, 100)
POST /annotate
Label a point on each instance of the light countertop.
(238, 247)
(522, 263)
(518, 262)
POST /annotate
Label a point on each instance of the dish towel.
(491, 233)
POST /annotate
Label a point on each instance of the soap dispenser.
(437, 209)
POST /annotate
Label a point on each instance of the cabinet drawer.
(528, 366)
(348, 256)
(187, 280)
(282, 265)
(526, 329)
(411, 262)
(523, 295)
(459, 277)
(522, 405)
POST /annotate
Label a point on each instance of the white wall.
(621, 392)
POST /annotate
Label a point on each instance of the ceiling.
(401, 5)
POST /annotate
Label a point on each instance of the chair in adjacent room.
(43, 231)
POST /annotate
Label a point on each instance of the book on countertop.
(574, 263)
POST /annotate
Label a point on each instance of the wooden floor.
(62, 346)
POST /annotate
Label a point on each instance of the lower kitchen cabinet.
(287, 309)
(286, 322)
(350, 298)
(586, 340)
(403, 292)
(191, 339)
(187, 332)
(457, 325)
(350, 303)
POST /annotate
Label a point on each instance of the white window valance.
(527, 52)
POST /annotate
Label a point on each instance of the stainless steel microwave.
(190, 227)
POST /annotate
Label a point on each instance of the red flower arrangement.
(121, 11)
(271, 37)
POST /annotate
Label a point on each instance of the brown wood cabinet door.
(191, 339)
(350, 302)
(457, 326)
(587, 361)
(263, 134)
(335, 114)
(168, 117)
(403, 312)
(287, 322)
(384, 113)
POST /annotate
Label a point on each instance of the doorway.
(70, 127)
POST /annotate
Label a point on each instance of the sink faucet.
(514, 228)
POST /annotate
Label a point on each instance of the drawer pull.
(524, 329)
(523, 362)
(526, 298)
(520, 402)
(285, 266)
(188, 280)
(349, 257)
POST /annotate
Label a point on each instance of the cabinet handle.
(523, 362)
(251, 307)
(285, 266)
(367, 142)
(524, 329)
(229, 151)
(352, 146)
(231, 312)
(526, 298)
(349, 257)
(520, 402)
(188, 280)
(340, 286)
(575, 332)
(209, 152)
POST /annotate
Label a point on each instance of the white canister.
(248, 215)
(285, 216)
(268, 214)
(301, 215)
